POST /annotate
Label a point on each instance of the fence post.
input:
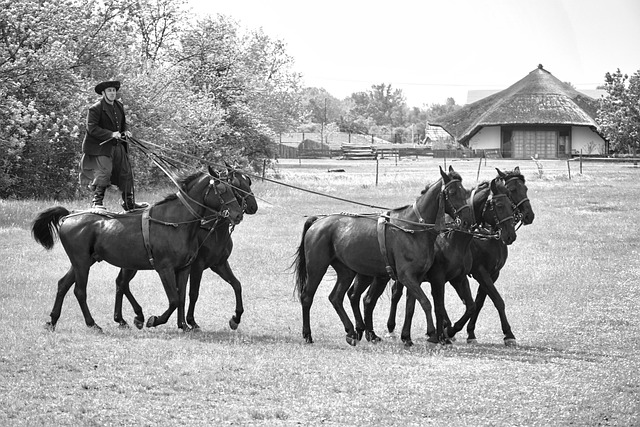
(377, 171)
(445, 159)
(478, 175)
(581, 161)
(569, 168)
(264, 168)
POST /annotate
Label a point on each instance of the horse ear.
(444, 176)
(501, 174)
(517, 170)
(211, 171)
(494, 186)
(451, 169)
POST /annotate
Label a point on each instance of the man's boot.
(98, 198)
(129, 203)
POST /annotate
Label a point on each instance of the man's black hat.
(102, 86)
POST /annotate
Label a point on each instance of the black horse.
(167, 244)
(491, 207)
(214, 248)
(488, 258)
(398, 243)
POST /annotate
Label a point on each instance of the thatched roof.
(538, 99)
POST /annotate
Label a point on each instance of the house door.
(532, 143)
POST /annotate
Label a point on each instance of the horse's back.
(352, 240)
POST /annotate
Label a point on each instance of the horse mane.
(183, 179)
(483, 185)
(514, 174)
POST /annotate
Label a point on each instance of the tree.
(619, 112)
(320, 106)
(208, 90)
(383, 104)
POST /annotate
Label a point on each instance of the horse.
(165, 242)
(488, 257)
(492, 207)
(373, 246)
(214, 248)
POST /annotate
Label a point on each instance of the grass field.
(571, 286)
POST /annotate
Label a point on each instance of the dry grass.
(570, 285)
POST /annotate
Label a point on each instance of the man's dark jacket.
(100, 126)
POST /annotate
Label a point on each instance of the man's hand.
(116, 135)
(127, 133)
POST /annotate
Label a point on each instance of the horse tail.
(47, 224)
(300, 263)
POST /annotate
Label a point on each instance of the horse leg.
(359, 285)
(396, 294)
(345, 277)
(182, 277)
(195, 278)
(488, 288)
(437, 292)
(413, 285)
(370, 300)
(224, 271)
(168, 278)
(410, 308)
(314, 276)
(123, 282)
(80, 291)
(461, 286)
(64, 284)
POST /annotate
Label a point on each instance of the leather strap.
(145, 234)
(382, 241)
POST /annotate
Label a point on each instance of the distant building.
(538, 116)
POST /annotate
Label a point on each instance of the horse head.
(515, 183)
(241, 184)
(219, 196)
(497, 210)
(455, 197)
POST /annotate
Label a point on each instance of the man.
(105, 158)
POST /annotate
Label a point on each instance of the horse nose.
(528, 218)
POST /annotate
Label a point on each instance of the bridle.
(444, 195)
(516, 205)
(217, 214)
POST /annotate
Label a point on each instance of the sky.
(433, 50)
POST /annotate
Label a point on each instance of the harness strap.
(145, 234)
(473, 211)
(382, 222)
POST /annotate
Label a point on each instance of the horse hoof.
(352, 340)
(448, 336)
(390, 334)
(308, 339)
(123, 324)
(138, 323)
(96, 328)
(372, 337)
(151, 323)
(50, 327)
(407, 343)
(359, 333)
(472, 341)
(233, 324)
(510, 342)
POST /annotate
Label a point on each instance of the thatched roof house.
(537, 116)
